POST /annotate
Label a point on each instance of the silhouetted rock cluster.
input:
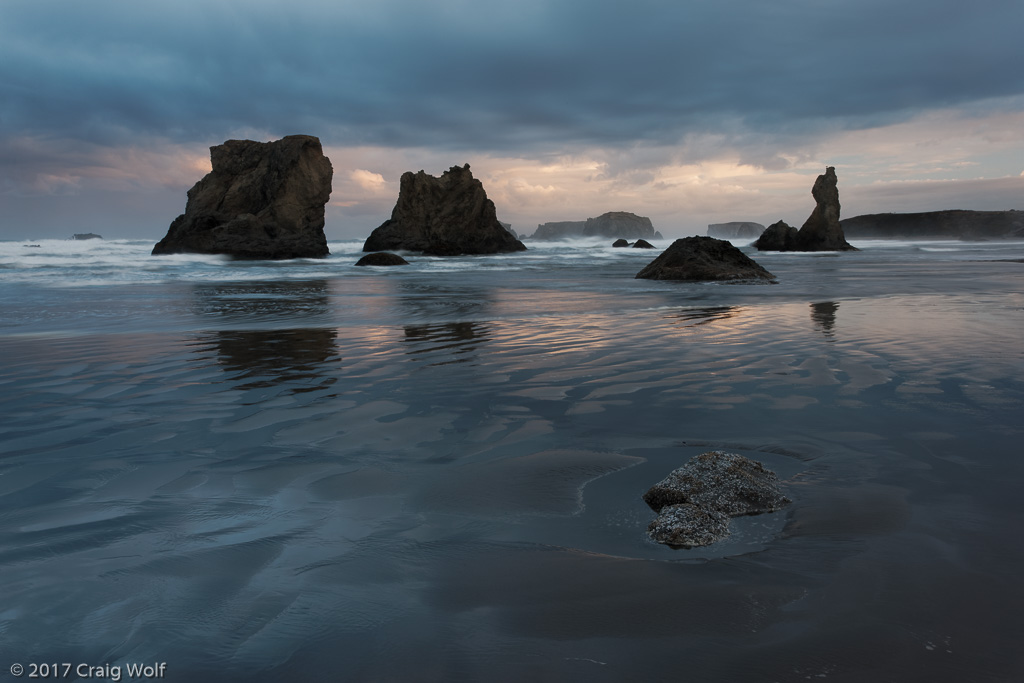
(262, 200)
(444, 216)
(703, 258)
(694, 503)
(820, 232)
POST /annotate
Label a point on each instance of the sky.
(687, 111)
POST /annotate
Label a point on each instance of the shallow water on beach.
(306, 470)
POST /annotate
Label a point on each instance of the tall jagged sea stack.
(444, 216)
(262, 200)
(820, 232)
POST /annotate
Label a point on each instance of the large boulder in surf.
(262, 200)
(703, 258)
(444, 216)
(821, 231)
(619, 224)
(695, 501)
(642, 244)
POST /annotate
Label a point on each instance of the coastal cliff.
(954, 224)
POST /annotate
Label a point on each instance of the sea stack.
(702, 259)
(262, 200)
(820, 232)
(444, 216)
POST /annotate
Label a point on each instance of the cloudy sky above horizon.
(690, 112)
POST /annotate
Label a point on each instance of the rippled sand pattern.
(434, 484)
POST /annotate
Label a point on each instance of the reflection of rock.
(703, 258)
(446, 338)
(302, 358)
(937, 225)
(262, 200)
(642, 244)
(694, 500)
(824, 316)
(735, 230)
(382, 258)
(86, 236)
(262, 301)
(444, 216)
(704, 316)
(821, 231)
(620, 243)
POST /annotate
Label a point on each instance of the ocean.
(304, 470)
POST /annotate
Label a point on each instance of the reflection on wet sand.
(823, 314)
(430, 301)
(305, 357)
(262, 300)
(447, 339)
(704, 316)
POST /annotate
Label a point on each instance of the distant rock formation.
(642, 244)
(821, 231)
(86, 236)
(611, 224)
(382, 258)
(703, 258)
(444, 216)
(735, 230)
(262, 200)
(558, 230)
(963, 225)
(508, 227)
(694, 503)
(620, 243)
(619, 224)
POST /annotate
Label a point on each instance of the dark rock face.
(735, 230)
(87, 236)
(262, 200)
(382, 258)
(695, 501)
(642, 244)
(620, 243)
(619, 223)
(821, 231)
(703, 258)
(444, 216)
(778, 236)
(937, 225)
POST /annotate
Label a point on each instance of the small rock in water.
(688, 526)
(620, 243)
(642, 244)
(695, 501)
(382, 258)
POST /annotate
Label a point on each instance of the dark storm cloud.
(527, 76)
